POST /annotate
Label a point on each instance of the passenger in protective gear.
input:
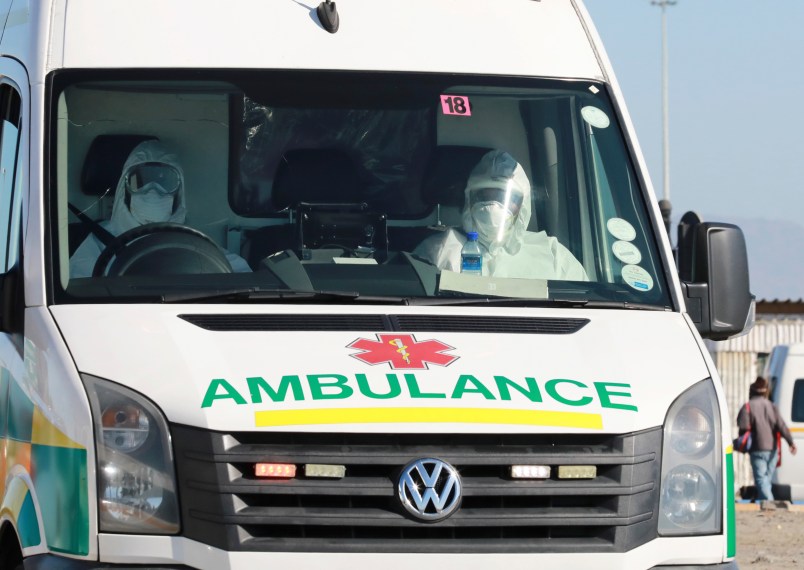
(150, 189)
(497, 205)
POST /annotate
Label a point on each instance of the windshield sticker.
(456, 105)
(594, 89)
(637, 278)
(595, 117)
(403, 351)
(626, 252)
(621, 229)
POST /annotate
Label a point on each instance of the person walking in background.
(762, 417)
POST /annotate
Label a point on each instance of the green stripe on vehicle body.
(27, 524)
(20, 414)
(58, 470)
(731, 523)
(65, 514)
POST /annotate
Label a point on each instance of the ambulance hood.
(349, 369)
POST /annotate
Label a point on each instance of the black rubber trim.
(465, 323)
(394, 323)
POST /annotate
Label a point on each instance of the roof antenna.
(328, 16)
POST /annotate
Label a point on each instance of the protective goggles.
(166, 178)
(510, 199)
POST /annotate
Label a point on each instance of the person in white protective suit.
(497, 205)
(150, 189)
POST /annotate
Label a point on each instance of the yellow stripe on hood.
(427, 415)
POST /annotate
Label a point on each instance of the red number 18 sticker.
(455, 105)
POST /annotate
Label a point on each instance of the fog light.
(328, 471)
(278, 470)
(577, 471)
(530, 471)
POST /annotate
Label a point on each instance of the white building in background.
(740, 360)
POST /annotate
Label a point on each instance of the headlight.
(136, 480)
(691, 432)
(692, 489)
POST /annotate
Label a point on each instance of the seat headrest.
(104, 162)
(321, 175)
(447, 173)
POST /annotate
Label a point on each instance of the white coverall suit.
(497, 205)
(147, 206)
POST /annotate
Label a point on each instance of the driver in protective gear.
(150, 189)
(497, 205)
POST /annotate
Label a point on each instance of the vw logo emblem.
(429, 489)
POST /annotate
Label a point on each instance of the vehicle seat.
(104, 162)
(446, 176)
(316, 176)
(443, 186)
(304, 176)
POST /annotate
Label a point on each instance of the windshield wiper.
(480, 301)
(523, 302)
(255, 294)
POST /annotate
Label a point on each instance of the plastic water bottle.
(471, 256)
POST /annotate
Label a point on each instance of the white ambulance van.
(235, 329)
(785, 372)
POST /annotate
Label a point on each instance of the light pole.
(664, 203)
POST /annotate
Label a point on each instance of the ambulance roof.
(545, 38)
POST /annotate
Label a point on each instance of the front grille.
(224, 505)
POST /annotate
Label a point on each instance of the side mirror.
(713, 263)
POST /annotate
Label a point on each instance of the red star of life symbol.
(403, 351)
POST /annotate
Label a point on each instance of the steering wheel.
(162, 248)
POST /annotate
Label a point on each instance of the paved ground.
(770, 539)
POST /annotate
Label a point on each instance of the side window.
(9, 211)
(797, 413)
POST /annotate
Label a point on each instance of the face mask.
(493, 222)
(149, 206)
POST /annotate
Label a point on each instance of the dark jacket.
(764, 421)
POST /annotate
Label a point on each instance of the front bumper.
(129, 552)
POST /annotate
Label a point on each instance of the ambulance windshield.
(344, 187)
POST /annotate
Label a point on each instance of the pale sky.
(736, 85)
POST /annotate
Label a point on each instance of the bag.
(742, 443)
